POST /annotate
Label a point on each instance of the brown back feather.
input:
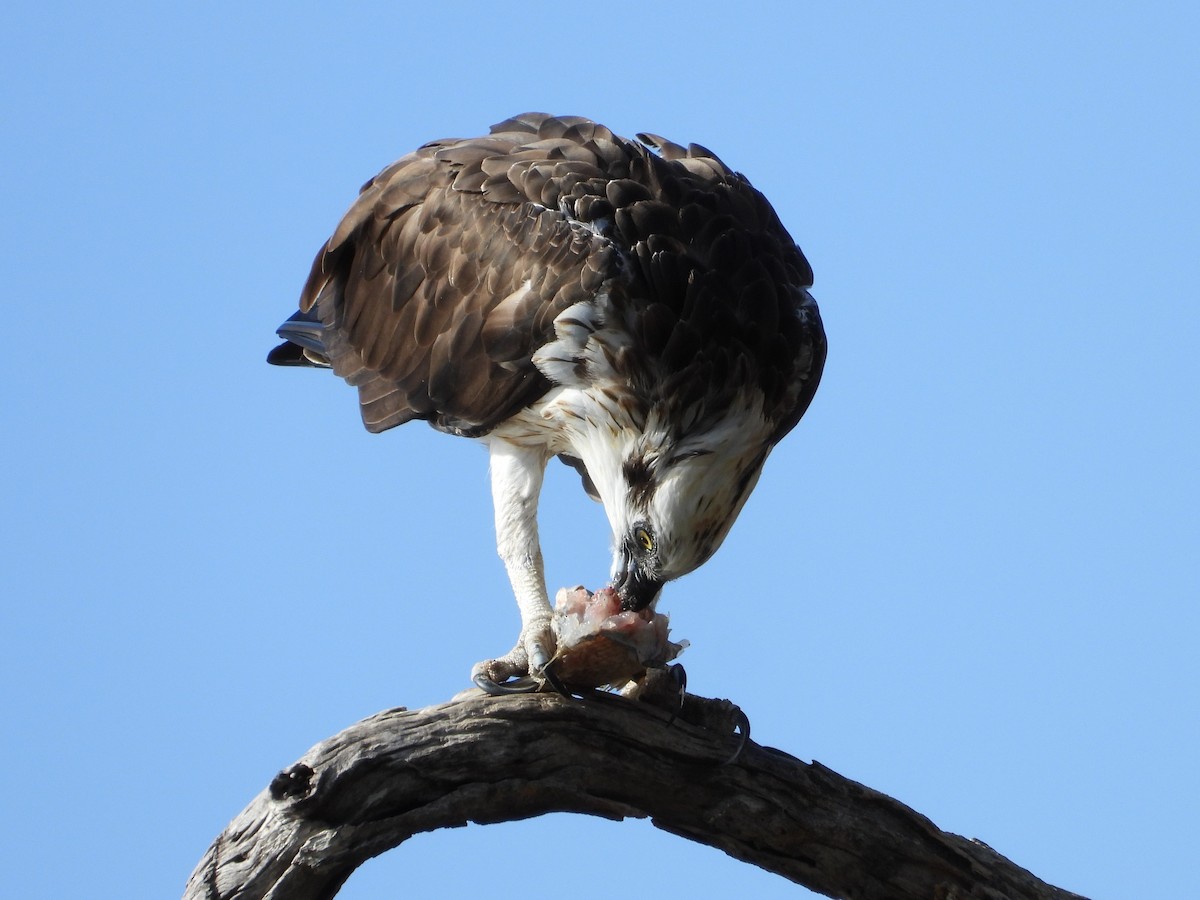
(422, 287)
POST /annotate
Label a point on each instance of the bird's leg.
(516, 483)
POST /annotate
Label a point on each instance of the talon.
(539, 643)
(520, 670)
(538, 659)
(522, 685)
(506, 675)
(552, 679)
(679, 676)
(742, 723)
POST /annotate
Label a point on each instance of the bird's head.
(671, 504)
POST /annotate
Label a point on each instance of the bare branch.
(494, 759)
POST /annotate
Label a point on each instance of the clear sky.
(968, 579)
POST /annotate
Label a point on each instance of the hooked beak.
(636, 589)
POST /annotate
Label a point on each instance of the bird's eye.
(645, 540)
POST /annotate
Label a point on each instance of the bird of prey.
(634, 308)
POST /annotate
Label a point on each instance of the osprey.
(634, 308)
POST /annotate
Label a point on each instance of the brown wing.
(448, 271)
(718, 301)
(726, 291)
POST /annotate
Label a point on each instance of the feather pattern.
(443, 290)
(633, 307)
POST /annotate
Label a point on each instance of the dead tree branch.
(487, 759)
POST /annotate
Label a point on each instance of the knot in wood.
(293, 782)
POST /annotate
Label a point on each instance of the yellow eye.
(645, 540)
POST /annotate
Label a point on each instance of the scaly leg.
(516, 483)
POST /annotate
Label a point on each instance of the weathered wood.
(492, 759)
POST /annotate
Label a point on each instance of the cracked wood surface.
(490, 759)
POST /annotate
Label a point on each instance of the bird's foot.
(524, 668)
(666, 688)
(661, 686)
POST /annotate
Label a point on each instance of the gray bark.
(493, 759)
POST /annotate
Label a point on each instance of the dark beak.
(636, 589)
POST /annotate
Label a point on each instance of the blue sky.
(967, 579)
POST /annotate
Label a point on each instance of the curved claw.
(522, 685)
(552, 679)
(679, 675)
(743, 731)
